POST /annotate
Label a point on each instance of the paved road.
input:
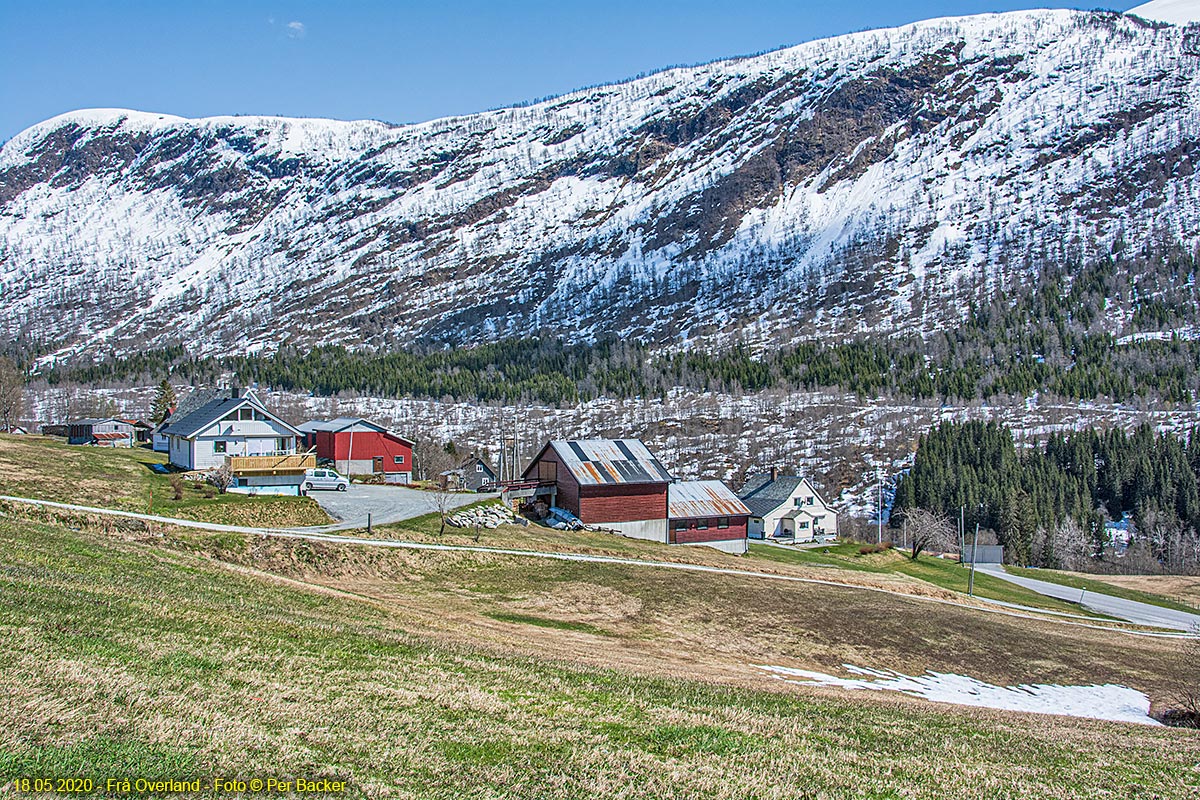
(384, 503)
(1131, 610)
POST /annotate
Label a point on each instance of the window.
(479, 468)
(723, 522)
(283, 444)
(246, 414)
(230, 417)
(799, 501)
(219, 447)
(811, 499)
(260, 417)
(702, 524)
(802, 525)
(397, 459)
(681, 524)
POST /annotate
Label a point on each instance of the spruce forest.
(1051, 504)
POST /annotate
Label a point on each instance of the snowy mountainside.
(1176, 12)
(870, 182)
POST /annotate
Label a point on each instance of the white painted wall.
(772, 524)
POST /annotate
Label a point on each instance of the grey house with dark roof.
(786, 507)
(234, 424)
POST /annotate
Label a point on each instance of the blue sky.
(396, 61)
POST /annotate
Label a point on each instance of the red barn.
(607, 483)
(359, 447)
(707, 512)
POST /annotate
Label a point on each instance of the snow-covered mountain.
(871, 182)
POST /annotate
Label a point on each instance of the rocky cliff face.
(872, 182)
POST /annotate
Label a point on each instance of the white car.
(324, 479)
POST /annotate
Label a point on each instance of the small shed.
(106, 432)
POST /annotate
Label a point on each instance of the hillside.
(873, 182)
(417, 675)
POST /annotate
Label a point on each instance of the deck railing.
(287, 462)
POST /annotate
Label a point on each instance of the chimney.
(235, 392)
(774, 474)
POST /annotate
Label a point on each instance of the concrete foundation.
(735, 546)
(653, 530)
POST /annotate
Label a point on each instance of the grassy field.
(48, 469)
(442, 675)
(1101, 585)
(838, 562)
(928, 569)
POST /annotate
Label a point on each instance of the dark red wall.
(622, 502)
(694, 535)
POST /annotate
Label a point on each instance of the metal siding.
(609, 461)
(690, 499)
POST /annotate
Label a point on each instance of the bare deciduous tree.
(1184, 699)
(928, 530)
(12, 393)
(1072, 545)
(440, 498)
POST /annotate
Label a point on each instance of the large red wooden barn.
(607, 483)
(360, 447)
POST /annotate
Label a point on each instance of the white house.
(786, 507)
(237, 425)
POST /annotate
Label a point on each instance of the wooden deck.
(272, 465)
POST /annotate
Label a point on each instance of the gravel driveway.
(384, 503)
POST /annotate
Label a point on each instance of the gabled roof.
(763, 495)
(472, 461)
(189, 425)
(94, 421)
(596, 462)
(688, 499)
(342, 423)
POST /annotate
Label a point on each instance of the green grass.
(1100, 587)
(122, 478)
(545, 622)
(936, 571)
(122, 658)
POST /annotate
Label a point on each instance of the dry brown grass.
(1181, 588)
(127, 652)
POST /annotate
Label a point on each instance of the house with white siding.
(787, 508)
(233, 425)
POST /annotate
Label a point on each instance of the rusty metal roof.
(596, 462)
(690, 499)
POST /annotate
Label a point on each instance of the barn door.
(377, 464)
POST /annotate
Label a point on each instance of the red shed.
(609, 483)
(360, 447)
(707, 512)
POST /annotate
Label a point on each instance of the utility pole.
(974, 549)
(879, 510)
(962, 533)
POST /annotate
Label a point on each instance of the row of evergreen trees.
(1085, 478)
(1050, 336)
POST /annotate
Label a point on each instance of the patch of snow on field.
(1109, 702)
